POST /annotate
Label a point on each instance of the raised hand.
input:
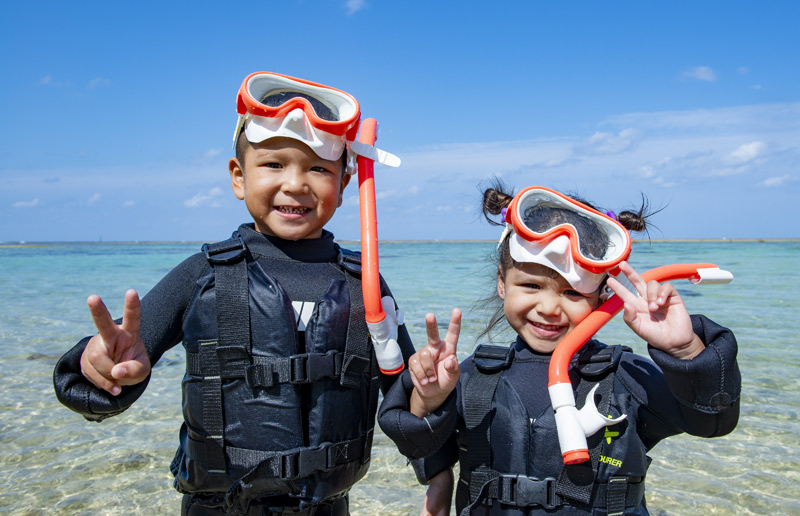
(116, 356)
(434, 369)
(658, 316)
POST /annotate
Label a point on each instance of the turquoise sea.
(52, 461)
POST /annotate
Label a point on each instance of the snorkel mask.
(271, 105)
(578, 242)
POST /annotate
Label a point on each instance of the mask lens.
(278, 98)
(593, 240)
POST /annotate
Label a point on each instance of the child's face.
(290, 192)
(541, 306)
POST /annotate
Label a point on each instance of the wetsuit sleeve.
(415, 437)
(672, 396)
(708, 384)
(162, 314)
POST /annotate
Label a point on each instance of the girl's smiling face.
(541, 306)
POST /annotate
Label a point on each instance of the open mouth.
(292, 210)
(547, 330)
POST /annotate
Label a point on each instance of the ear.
(345, 181)
(501, 284)
(237, 178)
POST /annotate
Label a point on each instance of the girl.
(492, 413)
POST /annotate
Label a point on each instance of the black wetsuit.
(668, 397)
(304, 268)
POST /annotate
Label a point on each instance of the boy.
(281, 384)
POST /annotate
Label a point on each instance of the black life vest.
(512, 465)
(263, 418)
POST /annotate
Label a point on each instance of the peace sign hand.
(658, 315)
(116, 356)
(434, 369)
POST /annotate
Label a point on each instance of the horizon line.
(24, 243)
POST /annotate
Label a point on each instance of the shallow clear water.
(52, 461)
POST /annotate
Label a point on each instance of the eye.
(532, 286)
(321, 170)
(271, 164)
(573, 293)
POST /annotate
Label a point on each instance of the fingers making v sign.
(116, 356)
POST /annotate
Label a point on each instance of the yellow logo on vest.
(609, 460)
(609, 434)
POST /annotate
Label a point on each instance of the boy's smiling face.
(289, 191)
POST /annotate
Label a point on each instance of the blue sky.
(117, 117)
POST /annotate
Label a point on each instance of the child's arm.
(434, 369)
(116, 356)
(658, 316)
(439, 495)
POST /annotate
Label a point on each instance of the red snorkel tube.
(382, 329)
(575, 425)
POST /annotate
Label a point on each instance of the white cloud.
(99, 82)
(608, 143)
(701, 73)
(353, 6)
(47, 80)
(750, 119)
(772, 182)
(744, 70)
(128, 204)
(93, 199)
(26, 204)
(211, 199)
(385, 194)
(747, 152)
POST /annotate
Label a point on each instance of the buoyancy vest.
(263, 419)
(511, 463)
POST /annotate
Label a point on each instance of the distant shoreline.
(11, 245)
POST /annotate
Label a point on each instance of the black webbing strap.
(616, 491)
(231, 292)
(212, 409)
(358, 350)
(358, 355)
(523, 491)
(231, 350)
(297, 463)
(267, 371)
(577, 481)
(478, 394)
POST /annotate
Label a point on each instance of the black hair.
(497, 196)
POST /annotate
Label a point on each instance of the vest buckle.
(225, 252)
(312, 460)
(525, 491)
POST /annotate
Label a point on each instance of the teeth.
(550, 327)
(287, 209)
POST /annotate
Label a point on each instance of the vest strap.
(269, 371)
(523, 491)
(297, 463)
(478, 396)
(358, 352)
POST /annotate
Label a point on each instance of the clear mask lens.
(278, 98)
(593, 240)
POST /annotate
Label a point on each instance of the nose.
(294, 181)
(548, 304)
